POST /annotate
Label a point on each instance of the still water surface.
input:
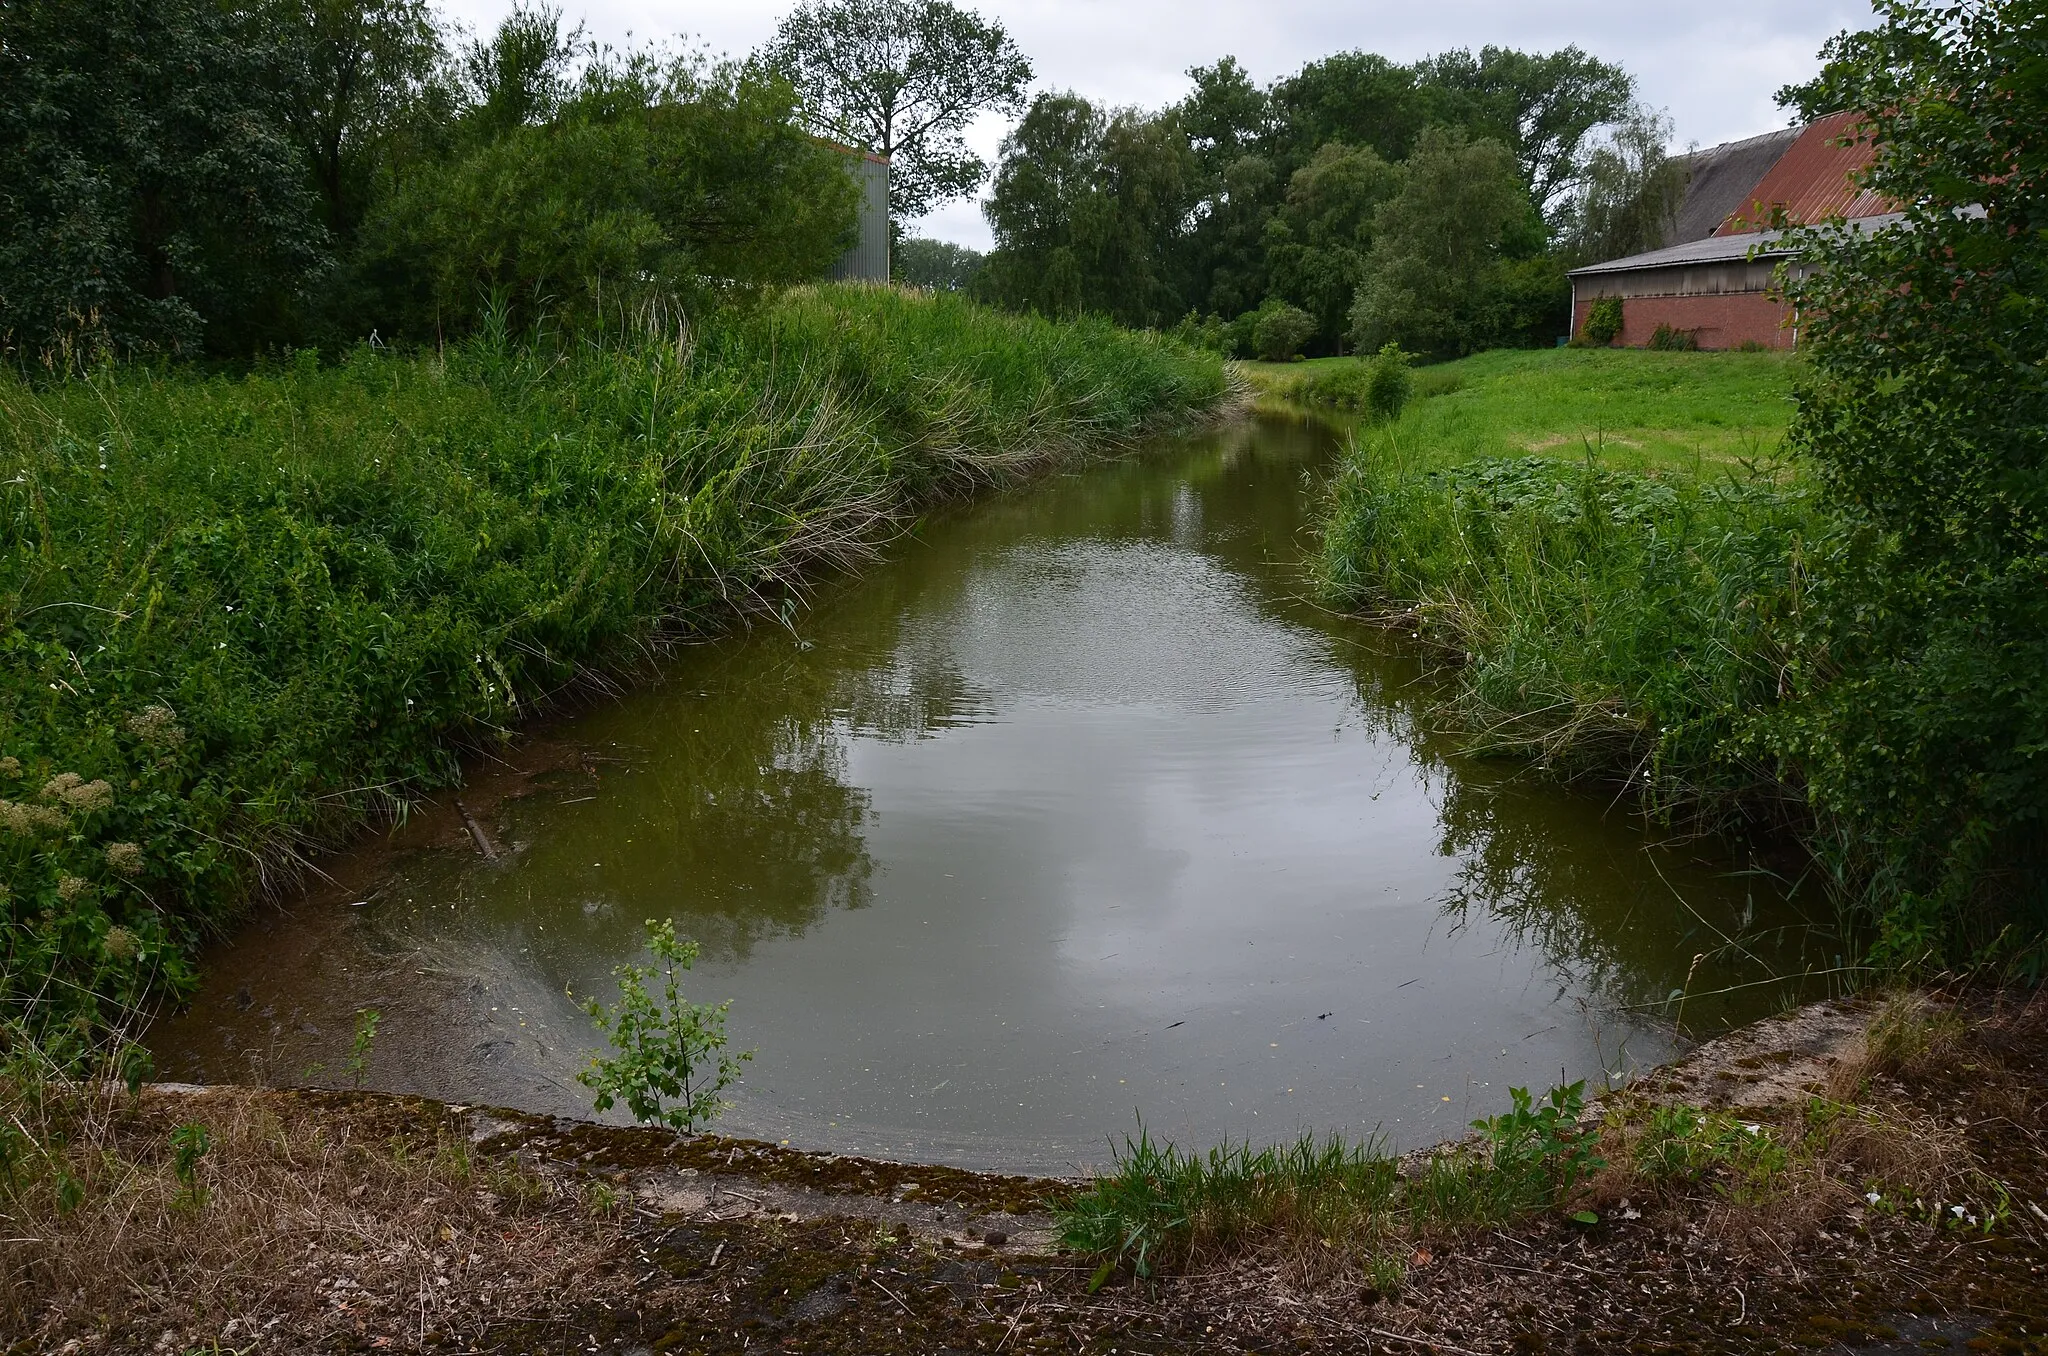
(1074, 811)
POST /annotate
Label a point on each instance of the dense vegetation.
(1436, 205)
(238, 615)
(1857, 644)
(191, 179)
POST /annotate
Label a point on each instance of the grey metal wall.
(868, 260)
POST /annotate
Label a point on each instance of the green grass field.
(1635, 408)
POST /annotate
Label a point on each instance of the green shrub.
(241, 616)
(1603, 321)
(1918, 711)
(1670, 339)
(1389, 382)
(668, 1063)
(1380, 385)
(1207, 333)
(1280, 332)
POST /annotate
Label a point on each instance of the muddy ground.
(490, 1231)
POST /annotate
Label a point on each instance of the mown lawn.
(1633, 408)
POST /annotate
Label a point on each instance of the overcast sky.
(1713, 67)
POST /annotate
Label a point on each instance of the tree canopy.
(903, 78)
(1259, 197)
(149, 185)
(190, 177)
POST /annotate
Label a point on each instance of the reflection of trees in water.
(912, 694)
(732, 810)
(1580, 881)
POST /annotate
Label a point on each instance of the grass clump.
(1328, 1202)
(1610, 624)
(241, 615)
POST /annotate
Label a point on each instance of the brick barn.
(1713, 280)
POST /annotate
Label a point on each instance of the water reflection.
(1075, 809)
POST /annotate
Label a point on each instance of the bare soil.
(453, 1229)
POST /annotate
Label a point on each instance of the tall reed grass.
(241, 615)
(1617, 626)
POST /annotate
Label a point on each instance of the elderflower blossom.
(28, 820)
(157, 726)
(80, 794)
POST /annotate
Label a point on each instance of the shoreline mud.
(416, 1225)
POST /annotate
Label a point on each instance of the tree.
(936, 264)
(1280, 332)
(1226, 117)
(650, 178)
(1629, 193)
(1543, 105)
(150, 199)
(363, 70)
(1358, 98)
(524, 74)
(902, 78)
(1089, 210)
(1920, 725)
(1454, 265)
(1317, 247)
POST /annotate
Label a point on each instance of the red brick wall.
(1725, 321)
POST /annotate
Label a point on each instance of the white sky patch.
(1714, 68)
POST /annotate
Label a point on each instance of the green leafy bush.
(1389, 382)
(1918, 711)
(669, 1063)
(1603, 321)
(1380, 385)
(650, 181)
(1281, 331)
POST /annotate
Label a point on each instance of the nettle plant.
(669, 1063)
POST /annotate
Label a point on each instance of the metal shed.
(868, 260)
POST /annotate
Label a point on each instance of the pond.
(1074, 812)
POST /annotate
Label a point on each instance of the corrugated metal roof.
(1721, 248)
(1713, 250)
(1718, 180)
(1811, 181)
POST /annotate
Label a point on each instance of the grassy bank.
(1602, 550)
(1768, 1145)
(1814, 1180)
(241, 616)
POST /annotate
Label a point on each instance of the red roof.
(1811, 182)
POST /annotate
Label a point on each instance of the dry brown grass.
(310, 1221)
(1868, 1126)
